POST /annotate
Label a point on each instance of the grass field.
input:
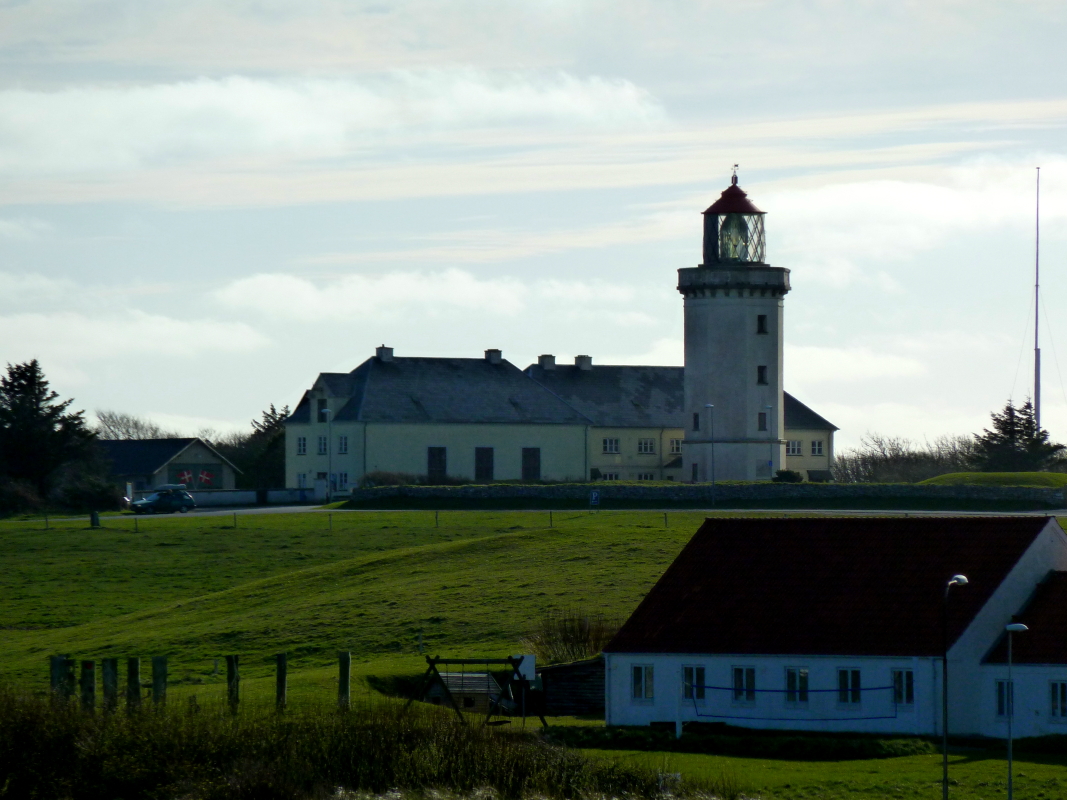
(1050, 480)
(197, 589)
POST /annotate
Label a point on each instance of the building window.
(1005, 698)
(322, 445)
(761, 323)
(301, 445)
(646, 447)
(646, 476)
(483, 463)
(696, 420)
(761, 421)
(816, 447)
(342, 479)
(302, 481)
(848, 686)
(342, 445)
(611, 445)
(794, 448)
(744, 684)
(609, 476)
(436, 464)
(796, 685)
(641, 682)
(903, 687)
(761, 375)
(1059, 700)
(676, 447)
(693, 681)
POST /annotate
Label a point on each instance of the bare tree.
(119, 425)
(894, 459)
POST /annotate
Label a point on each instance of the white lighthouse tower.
(733, 348)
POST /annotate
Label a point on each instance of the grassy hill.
(196, 589)
(1052, 480)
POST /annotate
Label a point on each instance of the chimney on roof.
(546, 362)
(492, 355)
(384, 353)
(584, 363)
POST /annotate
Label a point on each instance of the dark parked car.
(166, 501)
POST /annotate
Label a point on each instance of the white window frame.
(301, 445)
(799, 693)
(342, 445)
(1005, 694)
(1058, 701)
(744, 683)
(323, 443)
(611, 445)
(850, 690)
(642, 684)
(694, 682)
(816, 447)
(342, 480)
(676, 447)
(904, 687)
(646, 476)
(609, 476)
(302, 480)
(795, 447)
(646, 446)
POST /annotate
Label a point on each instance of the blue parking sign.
(594, 498)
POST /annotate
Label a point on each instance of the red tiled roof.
(833, 586)
(1046, 616)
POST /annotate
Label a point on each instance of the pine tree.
(1015, 444)
(38, 435)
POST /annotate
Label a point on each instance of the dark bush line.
(737, 742)
(50, 750)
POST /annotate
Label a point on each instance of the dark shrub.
(89, 493)
(787, 476)
(17, 497)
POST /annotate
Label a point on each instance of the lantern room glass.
(741, 239)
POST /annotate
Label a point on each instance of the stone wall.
(726, 495)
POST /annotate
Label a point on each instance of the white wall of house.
(876, 711)
(1034, 712)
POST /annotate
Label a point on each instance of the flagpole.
(1037, 290)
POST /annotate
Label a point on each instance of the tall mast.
(1037, 287)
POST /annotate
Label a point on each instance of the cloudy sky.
(204, 204)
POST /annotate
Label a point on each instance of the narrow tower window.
(696, 420)
(761, 422)
(761, 375)
(761, 323)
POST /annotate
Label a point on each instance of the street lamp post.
(770, 442)
(1015, 627)
(955, 580)
(711, 432)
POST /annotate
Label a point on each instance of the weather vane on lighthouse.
(733, 180)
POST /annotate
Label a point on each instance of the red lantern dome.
(733, 230)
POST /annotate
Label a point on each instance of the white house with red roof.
(835, 624)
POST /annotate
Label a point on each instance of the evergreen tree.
(38, 435)
(1015, 444)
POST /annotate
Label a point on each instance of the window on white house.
(641, 687)
(322, 445)
(301, 445)
(609, 476)
(676, 447)
(1059, 701)
(796, 685)
(342, 445)
(611, 445)
(848, 686)
(1005, 696)
(816, 447)
(646, 446)
(903, 687)
(646, 476)
(761, 421)
(693, 681)
(342, 479)
(761, 375)
(795, 447)
(744, 684)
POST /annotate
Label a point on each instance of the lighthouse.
(733, 305)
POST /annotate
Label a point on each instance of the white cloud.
(403, 294)
(18, 291)
(811, 364)
(69, 337)
(22, 228)
(107, 128)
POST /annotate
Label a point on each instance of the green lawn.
(196, 589)
(1049, 480)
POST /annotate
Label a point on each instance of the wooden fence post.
(133, 683)
(159, 680)
(87, 684)
(61, 677)
(233, 683)
(344, 679)
(109, 680)
(280, 685)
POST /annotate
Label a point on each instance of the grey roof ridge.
(208, 446)
(366, 385)
(545, 388)
(188, 443)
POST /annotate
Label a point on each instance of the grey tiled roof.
(799, 417)
(145, 456)
(471, 390)
(619, 396)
